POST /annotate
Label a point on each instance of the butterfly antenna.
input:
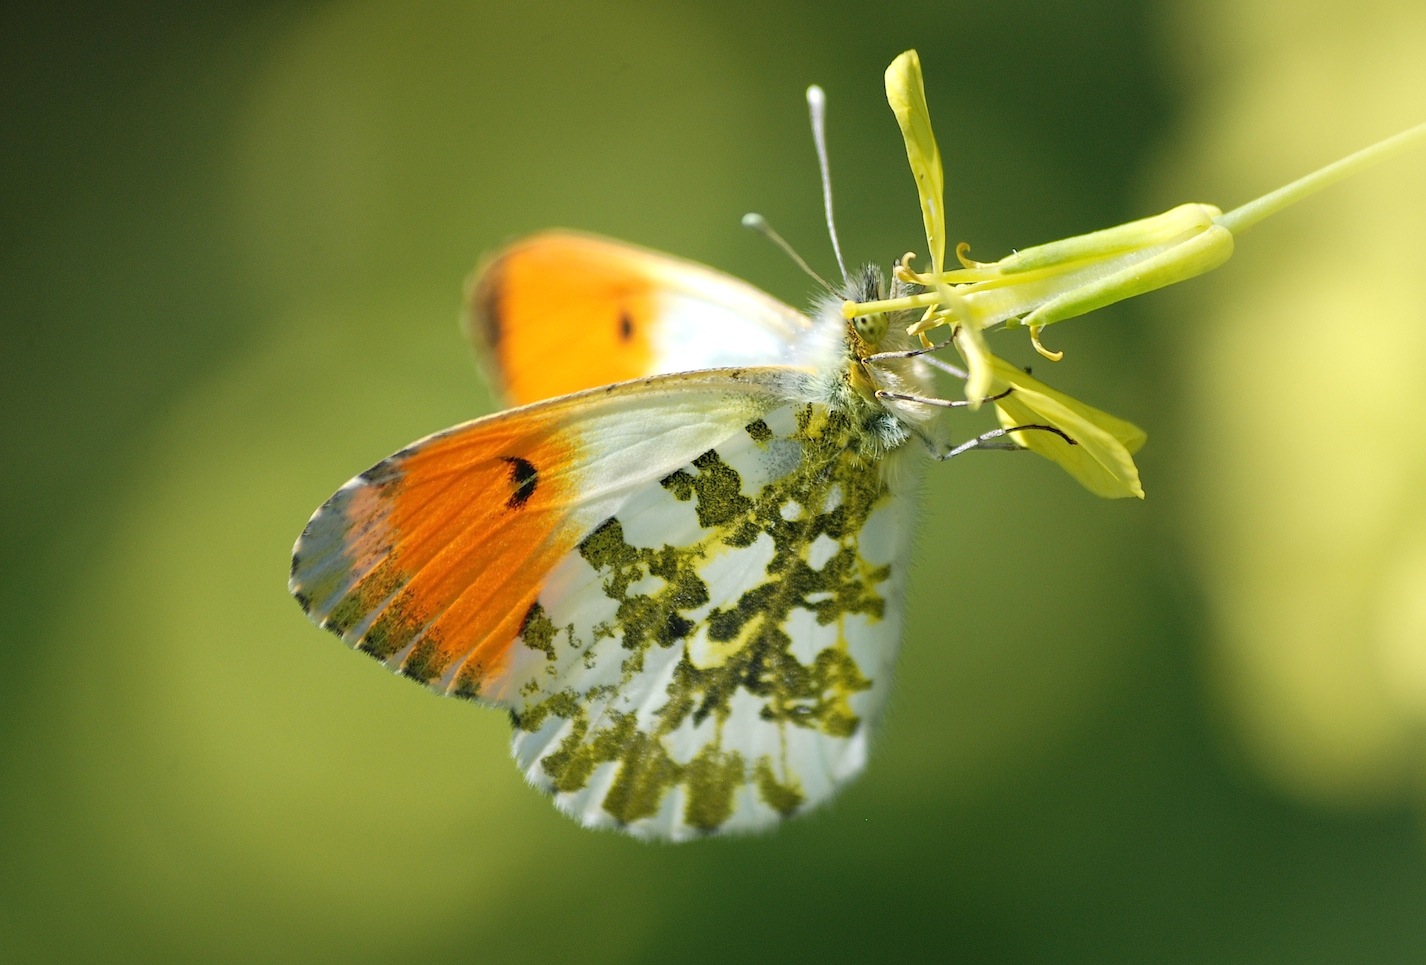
(759, 224)
(817, 107)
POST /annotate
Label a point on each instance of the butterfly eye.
(870, 328)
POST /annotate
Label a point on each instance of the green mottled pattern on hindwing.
(642, 617)
(831, 494)
(717, 489)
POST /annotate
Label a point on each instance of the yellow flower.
(1100, 454)
(1049, 283)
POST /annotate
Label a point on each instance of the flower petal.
(907, 95)
(980, 364)
(1101, 460)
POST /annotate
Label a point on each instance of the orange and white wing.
(559, 312)
(686, 591)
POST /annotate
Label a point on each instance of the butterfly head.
(866, 285)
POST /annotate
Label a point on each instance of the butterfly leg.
(943, 403)
(998, 439)
(923, 353)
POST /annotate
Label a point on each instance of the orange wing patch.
(561, 313)
(431, 560)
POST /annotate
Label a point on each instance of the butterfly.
(678, 562)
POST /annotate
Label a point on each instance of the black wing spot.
(523, 480)
(626, 326)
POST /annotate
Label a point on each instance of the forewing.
(432, 559)
(559, 312)
(711, 656)
(686, 590)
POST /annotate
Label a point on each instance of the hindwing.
(712, 656)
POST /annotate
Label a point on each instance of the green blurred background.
(232, 241)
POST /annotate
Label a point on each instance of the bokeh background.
(232, 242)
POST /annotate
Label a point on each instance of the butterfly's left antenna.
(759, 224)
(817, 107)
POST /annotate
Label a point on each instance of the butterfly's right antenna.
(817, 107)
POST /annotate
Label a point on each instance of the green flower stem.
(1243, 217)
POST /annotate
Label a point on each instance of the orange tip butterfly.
(678, 562)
